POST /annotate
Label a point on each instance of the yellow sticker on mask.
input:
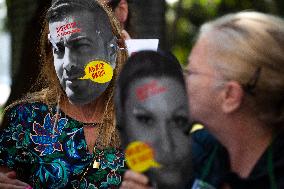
(98, 71)
(140, 157)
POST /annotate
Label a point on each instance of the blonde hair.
(248, 47)
(51, 90)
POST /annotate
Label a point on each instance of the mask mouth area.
(98, 71)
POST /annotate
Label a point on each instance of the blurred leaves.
(185, 17)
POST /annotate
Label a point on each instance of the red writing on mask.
(149, 89)
(97, 71)
(67, 29)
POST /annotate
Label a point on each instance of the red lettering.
(139, 90)
(73, 24)
(149, 89)
(140, 148)
(133, 161)
(97, 67)
(90, 70)
(144, 157)
(129, 152)
(141, 96)
(102, 65)
(140, 93)
(95, 75)
(68, 26)
(102, 73)
(59, 29)
(65, 27)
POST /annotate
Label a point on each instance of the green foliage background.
(185, 17)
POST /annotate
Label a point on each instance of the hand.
(133, 180)
(125, 35)
(8, 181)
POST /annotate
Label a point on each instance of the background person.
(64, 136)
(151, 107)
(122, 13)
(236, 89)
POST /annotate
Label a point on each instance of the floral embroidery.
(48, 155)
(113, 179)
(109, 158)
(47, 135)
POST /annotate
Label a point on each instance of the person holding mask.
(235, 88)
(151, 107)
(65, 136)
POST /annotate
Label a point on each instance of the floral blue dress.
(49, 155)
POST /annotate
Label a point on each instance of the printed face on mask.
(156, 113)
(77, 39)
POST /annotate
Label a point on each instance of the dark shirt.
(220, 172)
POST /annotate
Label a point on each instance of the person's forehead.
(199, 53)
(155, 93)
(149, 82)
(85, 17)
(89, 17)
(84, 21)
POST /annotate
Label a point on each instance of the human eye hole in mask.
(81, 47)
(144, 119)
(180, 121)
(57, 48)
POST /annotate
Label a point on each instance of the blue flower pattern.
(50, 152)
(46, 136)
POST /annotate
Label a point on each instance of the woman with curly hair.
(64, 136)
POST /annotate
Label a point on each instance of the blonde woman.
(235, 79)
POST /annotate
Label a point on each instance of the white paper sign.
(135, 45)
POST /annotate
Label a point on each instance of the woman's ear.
(121, 12)
(232, 96)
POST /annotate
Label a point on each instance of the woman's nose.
(166, 139)
(69, 61)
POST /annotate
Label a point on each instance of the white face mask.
(79, 38)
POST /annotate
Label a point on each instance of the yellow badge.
(140, 157)
(98, 71)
